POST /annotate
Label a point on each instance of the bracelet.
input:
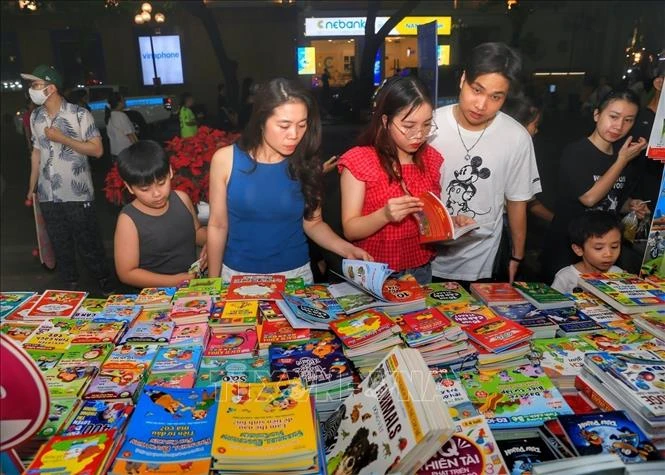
(516, 259)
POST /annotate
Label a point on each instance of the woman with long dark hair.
(265, 191)
(118, 126)
(383, 176)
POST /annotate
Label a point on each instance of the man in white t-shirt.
(119, 128)
(489, 162)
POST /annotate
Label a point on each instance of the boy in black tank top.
(156, 234)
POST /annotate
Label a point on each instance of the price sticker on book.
(24, 398)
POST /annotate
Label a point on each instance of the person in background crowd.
(383, 176)
(650, 171)
(156, 234)
(188, 124)
(63, 136)
(490, 164)
(593, 174)
(227, 117)
(595, 237)
(118, 126)
(265, 191)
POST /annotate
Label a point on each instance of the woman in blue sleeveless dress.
(265, 191)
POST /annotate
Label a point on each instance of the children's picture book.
(141, 354)
(209, 285)
(98, 416)
(239, 314)
(149, 332)
(99, 332)
(435, 223)
(280, 331)
(192, 334)
(363, 328)
(90, 308)
(91, 354)
(68, 381)
(114, 382)
(10, 301)
(53, 334)
(155, 296)
(155, 314)
(121, 299)
(635, 376)
(170, 431)
(172, 379)
(624, 292)
(215, 370)
(468, 313)
(521, 454)
(45, 359)
(471, 450)
(269, 310)
(256, 287)
(87, 454)
(315, 313)
(22, 310)
(561, 357)
(56, 303)
(449, 385)
(542, 295)
(438, 293)
(18, 330)
(516, 397)
(608, 432)
(652, 322)
(232, 345)
(177, 358)
(191, 310)
(278, 414)
(369, 276)
(120, 313)
(594, 308)
(61, 411)
(498, 333)
(496, 293)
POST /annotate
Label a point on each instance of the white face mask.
(38, 96)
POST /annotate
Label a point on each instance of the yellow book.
(264, 421)
(240, 313)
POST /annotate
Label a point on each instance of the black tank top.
(167, 243)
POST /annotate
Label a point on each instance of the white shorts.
(303, 271)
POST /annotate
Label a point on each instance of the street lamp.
(142, 18)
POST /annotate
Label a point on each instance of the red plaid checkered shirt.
(396, 244)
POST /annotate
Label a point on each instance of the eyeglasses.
(412, 132)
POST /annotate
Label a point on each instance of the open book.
(435, 223)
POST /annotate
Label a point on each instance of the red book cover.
(280, 331)
(402, 289)
(231, 344)
(423, 321)
(435, 223)
(578, 402)
(497, 293)
(363, 328)
(498, 333)
(588, 391)
(191, 306)
(256, 287)
(56, 303)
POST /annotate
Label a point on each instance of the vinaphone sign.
(355, 26)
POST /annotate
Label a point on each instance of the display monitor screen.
(306, 60)
(167, 59)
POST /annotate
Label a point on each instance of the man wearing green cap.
(63, 136)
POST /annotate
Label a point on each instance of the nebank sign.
(167, 59)
(355, 26)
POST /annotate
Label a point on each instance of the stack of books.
(624, 292)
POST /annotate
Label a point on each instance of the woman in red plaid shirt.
(383, 175)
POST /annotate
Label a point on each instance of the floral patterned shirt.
(64, 174)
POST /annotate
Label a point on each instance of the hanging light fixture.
(160, 17)
(31, 5)
(138, 19)
(146, 16)
(146, 7)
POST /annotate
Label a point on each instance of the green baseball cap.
(44, 73)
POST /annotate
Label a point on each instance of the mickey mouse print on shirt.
(462, 188)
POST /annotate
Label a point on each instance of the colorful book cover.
(92, 355)
(496, 293)
(317, 361)
(521, 454)
(311, 291)
(10, 301)
(560, 357)
(74, 454)
(55, 334)
(99, 332)
(154, 314)
(498, 333)
(121, 313)
(149, 332)
(99, 416)
(60, 412)
(115, 383)
(155, 296)
(139, 354)
(215, 370)
(240, 313)
(542, 295)
(280, 331)
(90, 308)
(188, 307)
(438, 293)
(45, 359)
(521, 396)
(17, 330)
(170, 431)
(593, 308)
(467, 313)
(609, 433)
(278, 415)
(295, 285)
(636, 374)
(318, 312)
(615, 339)
(211, 285)
(471, 450)
(22, 310)
(192, 334)
(423, 322)
(449, 385)
(625, 292)
(56, 303)
(121, 299)
(363, 327)
(256, 287)
(178, 358)
(435, 223)
(68, 381)
(269, 310)
(652, 322)
(172, 379)
(239, 345)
